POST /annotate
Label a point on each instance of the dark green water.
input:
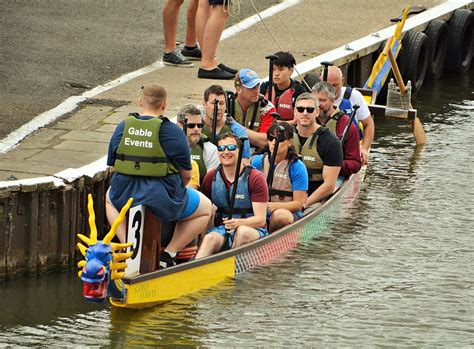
(397, 272)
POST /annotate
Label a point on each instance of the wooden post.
(151, 244)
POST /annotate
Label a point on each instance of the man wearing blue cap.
(252, 110)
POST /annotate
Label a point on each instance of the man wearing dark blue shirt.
(152, 164)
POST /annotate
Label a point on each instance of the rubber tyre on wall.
(437, 33)
(460, 41)
(415, 58)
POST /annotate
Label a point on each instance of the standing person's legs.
(171, 55)
(202, 16)
(191, 38)
(170, 23)
(191, 49)
(212, 35)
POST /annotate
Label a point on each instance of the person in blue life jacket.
(288, 180)
(248, 221)
(346, 97)
(224, 123)
(152, 164)
(285, 89)
(202, 150)
(320, 150)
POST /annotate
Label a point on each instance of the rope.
(232, 7)
(276, 41)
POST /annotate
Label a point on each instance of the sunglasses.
(302, 109)
(271, 138)
(230, 147)
(193, 125)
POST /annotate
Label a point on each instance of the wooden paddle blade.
(418, 131)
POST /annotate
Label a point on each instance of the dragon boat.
(131, 282)
(102, 270)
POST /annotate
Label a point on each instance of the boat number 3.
(136, 226)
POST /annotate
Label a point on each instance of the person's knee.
(205, 205)
(282, 217)
(243, 235)
(176, 4)
(213, 239)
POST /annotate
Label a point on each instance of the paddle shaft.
(273, 155)
(231, 104)
(214, 122)
(325, 70)
(185, 127)
(236, 178)
(418, 132)
(256, 108)
(351, 120)
(225, 245)
(271, 58)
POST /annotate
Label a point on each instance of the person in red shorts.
(248, 222)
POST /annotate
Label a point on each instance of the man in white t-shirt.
(335, 78)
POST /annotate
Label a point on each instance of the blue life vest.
(346, 107)
(221, 196)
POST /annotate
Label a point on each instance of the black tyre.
(437, 33)
(311, 79)
(415, 58)
(460, 41)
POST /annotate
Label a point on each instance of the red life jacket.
(284, 106)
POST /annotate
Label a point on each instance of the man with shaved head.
(347, 97)
(152, 164)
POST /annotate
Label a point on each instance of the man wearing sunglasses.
(202, 150)
(320, 150)
(248, 222)
(152, 165)
(224, 124)
(336, 120)
(252, 110)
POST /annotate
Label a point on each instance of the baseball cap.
(249, 78)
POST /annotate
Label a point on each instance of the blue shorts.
(296, 215)
(339, 181)
(192, 204)
(262, 232)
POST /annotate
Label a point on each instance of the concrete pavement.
(307, 29)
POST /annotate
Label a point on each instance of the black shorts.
(219, 2)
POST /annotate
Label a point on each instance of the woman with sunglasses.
(288, 190)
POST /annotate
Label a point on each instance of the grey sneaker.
(193, 54)
(175, 58)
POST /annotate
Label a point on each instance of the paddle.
(271, 170)
(270, 76)
(230, 105)
(185, 127)
(225, 246)
(256, 107)
(325, 71)
(214, 122)
(351, 120)
(418, 131)
(276, 116)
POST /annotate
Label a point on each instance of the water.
(398, 271)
